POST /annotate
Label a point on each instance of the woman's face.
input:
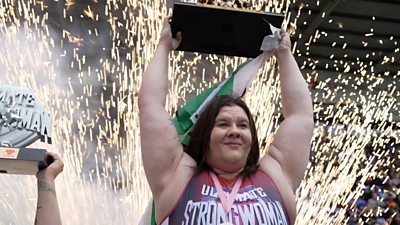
(230, 140)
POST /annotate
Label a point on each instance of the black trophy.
(22, 122)
(220, 30)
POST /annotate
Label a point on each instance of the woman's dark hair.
(200, 136)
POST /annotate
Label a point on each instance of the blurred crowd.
(380, 201)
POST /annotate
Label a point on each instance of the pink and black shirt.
(257, 202)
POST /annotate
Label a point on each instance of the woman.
(220, 179)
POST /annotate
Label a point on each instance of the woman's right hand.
(166, 38)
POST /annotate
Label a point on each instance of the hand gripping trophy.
(22, 122)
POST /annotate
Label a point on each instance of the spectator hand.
(55, 166)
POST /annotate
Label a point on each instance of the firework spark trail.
(27, 64)
(84, 119)
(348, 165)
(328, 186)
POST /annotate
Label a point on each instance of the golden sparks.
(69, 4)
(89, 13)
(89, 80)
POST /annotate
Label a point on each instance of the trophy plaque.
(222, 30)
(22, 122)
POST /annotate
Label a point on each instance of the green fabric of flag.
(153, 213)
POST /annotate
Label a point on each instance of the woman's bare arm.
(160, 145)
(291, 145)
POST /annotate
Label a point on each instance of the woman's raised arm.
(160, 145)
